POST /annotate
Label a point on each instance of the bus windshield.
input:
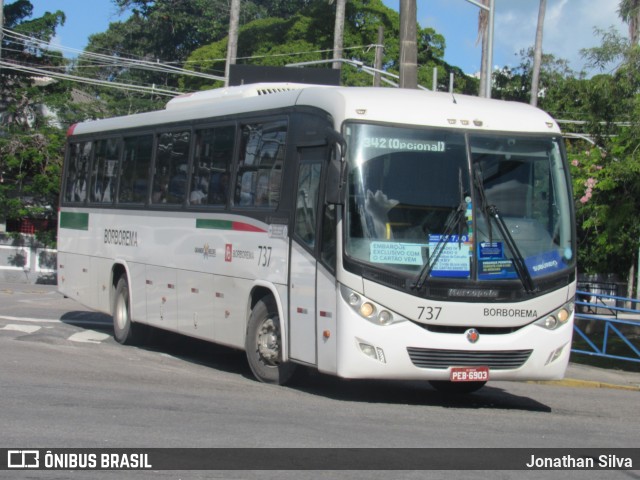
(448, 204)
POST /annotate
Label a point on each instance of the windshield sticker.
(493, 269)
(392, 143)
(397, 253)
(491, 250)
(455, 258)
(545, 263)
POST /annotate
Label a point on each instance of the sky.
(568, 28)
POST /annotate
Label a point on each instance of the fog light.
(367, 309)
(368, 350)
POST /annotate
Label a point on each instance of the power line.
(75, 78)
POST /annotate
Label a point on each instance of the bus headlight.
(557, 318)
(369, 310)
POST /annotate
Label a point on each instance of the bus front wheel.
(124, 330)
(263, 344)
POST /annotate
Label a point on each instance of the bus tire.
(446, 386)
(124, 330)
(263, 344)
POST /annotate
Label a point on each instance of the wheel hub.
(269, 342)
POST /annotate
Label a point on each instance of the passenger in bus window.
(178, 185)
(218, 188)
(199, 186)
(161, 186)
(262, 189)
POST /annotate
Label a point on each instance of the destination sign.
(394, 143)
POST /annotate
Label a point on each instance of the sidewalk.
(586, 376)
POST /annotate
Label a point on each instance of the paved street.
(66, 383)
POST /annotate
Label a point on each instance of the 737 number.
(429, 313)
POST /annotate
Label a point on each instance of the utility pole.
(232, 46)
(338, 33)
(537, 55)
(408, 44)
(1, 27)
(485, 28)
(378, 60)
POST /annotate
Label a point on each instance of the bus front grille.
(443, 359)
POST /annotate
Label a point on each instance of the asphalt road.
(65, 383)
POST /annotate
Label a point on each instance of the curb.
(573, 382)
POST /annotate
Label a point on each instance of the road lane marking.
(53, 320)
(21, 328)
(89, 336)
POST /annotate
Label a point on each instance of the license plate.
(469, 374)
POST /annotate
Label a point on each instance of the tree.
(31, 150)
(166, 32)
(607, 176)
(308, 35)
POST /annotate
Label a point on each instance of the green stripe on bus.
(227, 225)
(214, 224)
(74, 221)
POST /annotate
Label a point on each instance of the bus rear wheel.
(446, 386)
(263, 344)
(125, 331)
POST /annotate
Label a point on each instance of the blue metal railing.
(599, 320)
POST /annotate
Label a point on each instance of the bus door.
(303, 264)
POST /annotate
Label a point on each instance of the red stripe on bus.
(245, 227)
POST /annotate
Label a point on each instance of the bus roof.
(389, 105)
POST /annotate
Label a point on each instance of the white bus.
(365, 232)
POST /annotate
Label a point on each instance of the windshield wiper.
(456, 219)
(491, 211)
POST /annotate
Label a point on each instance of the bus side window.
(77, 173)
(105, 169)
(260, 165)
(171, 168)
(212, 165)
(135, 169)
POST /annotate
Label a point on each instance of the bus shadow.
(309, 381)
(411, 393)
(312, 382)
(88, 320)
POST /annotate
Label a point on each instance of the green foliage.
(31, 164)
(31, 151)
(307, 35)
(607, 177)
